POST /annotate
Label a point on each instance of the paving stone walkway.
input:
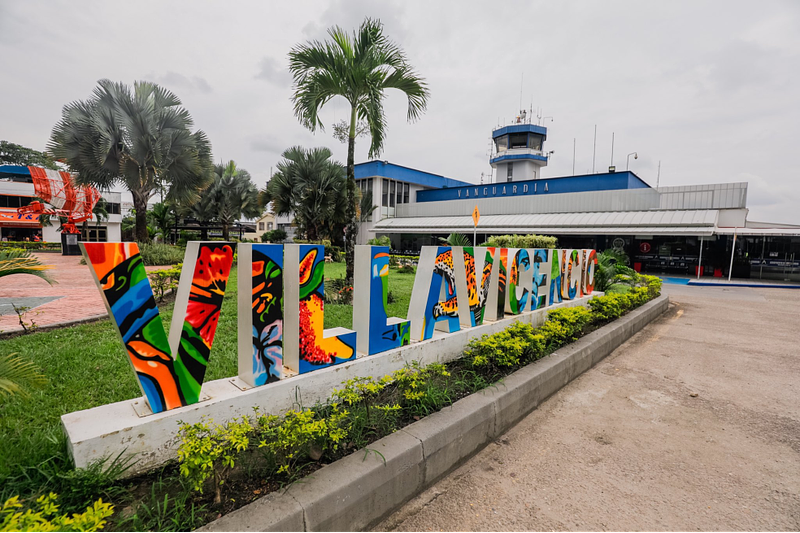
(73, 297)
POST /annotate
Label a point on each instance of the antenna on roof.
(521, 78)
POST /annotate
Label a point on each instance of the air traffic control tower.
(519, 150)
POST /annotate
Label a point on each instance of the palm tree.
(308, 185)
(141, 139)
(359, 68)
(18, 261)
(163, 216)
(235, 196)
(99, 213)
(366, 206)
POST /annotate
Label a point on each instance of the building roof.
(661, 222)
(384, 169)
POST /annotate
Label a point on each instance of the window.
(113, 208)
(95, 234)
(518, 140)
(406, 188)
(385, 193)
(269, 226)
(399, 193)
(260, 226)
(392, 193)
(510, 174)
(501, 143)
(535, 142)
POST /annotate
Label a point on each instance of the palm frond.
(17, 375)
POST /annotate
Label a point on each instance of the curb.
(361, 489)
(750, 285)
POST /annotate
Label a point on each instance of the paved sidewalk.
(74, 297)
(693, 424)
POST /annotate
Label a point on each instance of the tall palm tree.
(308, 185)
(141, 139)
(358, 68)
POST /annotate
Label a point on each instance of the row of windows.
(394, 192)
(265, 226)
(15, 201)
(519, 140)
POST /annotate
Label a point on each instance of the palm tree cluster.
(309, 185)
(230, 196)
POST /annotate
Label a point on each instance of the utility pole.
(658, 176)
(573, 155)
(612, 148)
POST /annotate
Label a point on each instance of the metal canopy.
(676, 222)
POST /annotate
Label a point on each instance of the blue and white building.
(662, 229)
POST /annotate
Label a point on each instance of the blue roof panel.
(385, 169)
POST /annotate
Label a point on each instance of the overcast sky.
(710, 89)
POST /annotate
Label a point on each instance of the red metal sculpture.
(58, 189)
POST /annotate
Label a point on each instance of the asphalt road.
(693, 424)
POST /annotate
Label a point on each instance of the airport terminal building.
(668, 230)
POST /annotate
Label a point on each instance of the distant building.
(662, 230)
(261, 226)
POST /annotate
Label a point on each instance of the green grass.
(86, 366)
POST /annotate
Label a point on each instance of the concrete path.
(74, 297)
(693, 424)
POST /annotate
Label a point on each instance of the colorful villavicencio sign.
(281, 306)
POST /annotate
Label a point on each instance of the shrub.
(44, 516)
(518, 344)
(574, 320)
(32, 245)
(383, 240)
(158, 254)
(300, 435)
(424, 389)
(406, 269)
(521, 241)
(609, 306)
(324, 242)
(208, 451)
(276, 236)
(164, 280)
(186, 236)
(338, 291)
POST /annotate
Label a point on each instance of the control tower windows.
(510, 174)
(501, 143)
(518, 140)
(535, 142)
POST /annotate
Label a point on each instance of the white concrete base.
(107, 430)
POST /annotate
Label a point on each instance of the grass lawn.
(86, 366)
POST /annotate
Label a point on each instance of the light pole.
(628, 161)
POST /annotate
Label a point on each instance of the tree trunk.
(140, 205)
(225, 231)
(352, 223)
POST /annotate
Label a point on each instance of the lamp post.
(628, 161)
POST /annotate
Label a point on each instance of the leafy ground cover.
(86, 368)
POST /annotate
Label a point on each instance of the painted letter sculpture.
(376, 331)
(170, 372)
(281, 295)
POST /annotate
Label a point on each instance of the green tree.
(15, 154)
(235, 196)
(358, 68)
(139, 138)
(308, 185)
(162, 216)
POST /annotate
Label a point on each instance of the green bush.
(324, 242)
(380, 241)
(158, 254)
(518, 344)
(33, 246)
(276, 236)
(521, 241)
(574, 320)
(44, 516)
(186, 236)
(164, 280)
(406, 269)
